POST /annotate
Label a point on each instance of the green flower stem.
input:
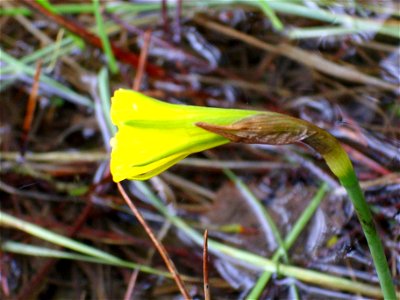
(278, 129)
(340, 164)
(375, 245)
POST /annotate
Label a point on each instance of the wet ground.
(334, 64)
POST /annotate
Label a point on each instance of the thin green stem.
(11, 221)
(290, 239)
(277, 129)
(275, 21)
(375, 245)
(104, 38)
(264, 218)
(339, 163)
(32, 250)
(56, 86)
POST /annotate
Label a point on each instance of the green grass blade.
(80, 8)
(290, 239)
(46, 54)
(62, 90)
(104, 92)
(276, 23)
(333, 18)
(26, 249)
(47, 235)
(322, 31)
(264, 217)
(104, 38)
(47, 5)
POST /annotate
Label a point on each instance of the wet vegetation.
(279, 224)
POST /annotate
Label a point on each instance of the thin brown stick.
(30, 108)
(164, 16)
(205, 267)
(131, 285)
(168, 262)
(178, 26)
(142, 60)
(136, 86)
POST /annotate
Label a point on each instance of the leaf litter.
(214, 55)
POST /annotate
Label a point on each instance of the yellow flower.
(154, 135)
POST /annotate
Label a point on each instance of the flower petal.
(153, 135)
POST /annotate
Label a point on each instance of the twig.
(136, 86)
(164, 16)
(168, 262)
(30, 108)
(142, 61)
(177, 24)
(205, 267)
(131, 285)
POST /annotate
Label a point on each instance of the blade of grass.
(263, 215)
(317, 13)
(290, 239)
(57, 87)
(91, 254)
(104, 92)
(81, 8)
(104, 38)
(47, 5)
(47, 235)
(333, 18)
(38, 251)
(276, 23)
(257, 209)
(100, 93)
(319, 32)
(45, 54)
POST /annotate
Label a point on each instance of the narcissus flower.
(154, 135)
